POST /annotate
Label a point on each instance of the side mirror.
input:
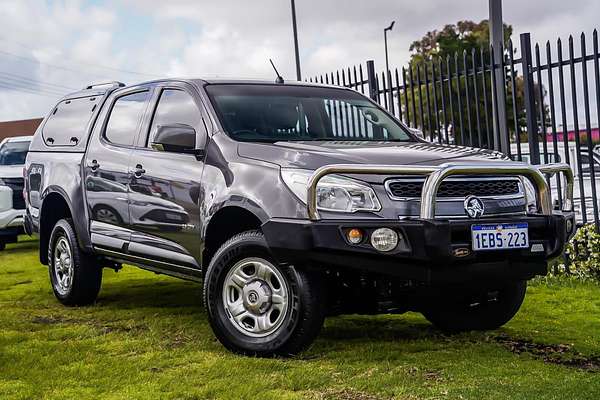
(176, 138)
(418, 133)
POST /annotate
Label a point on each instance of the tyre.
(485, 310)
(74, 276)
(258, 307)
(2, 246)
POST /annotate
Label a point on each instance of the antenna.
(279, 77)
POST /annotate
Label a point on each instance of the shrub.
(582, 258)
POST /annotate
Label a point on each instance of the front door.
(165, 187)
(106, 169)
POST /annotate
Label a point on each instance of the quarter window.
(176, 107)
(67, 124)
(124, 120)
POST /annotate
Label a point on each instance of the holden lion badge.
(474, 207)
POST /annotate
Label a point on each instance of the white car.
(12, 204)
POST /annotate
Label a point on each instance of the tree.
(454, 39)
(462, 48)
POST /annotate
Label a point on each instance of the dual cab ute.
(290, 202)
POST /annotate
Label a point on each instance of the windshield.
(271, 113)
(13, 153)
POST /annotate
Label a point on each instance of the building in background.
(19, 128)
(570, 131)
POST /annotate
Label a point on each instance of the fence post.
(529, 98)
(496, 24)
(372, 79)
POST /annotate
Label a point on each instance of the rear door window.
(67, 125)
(125, 118)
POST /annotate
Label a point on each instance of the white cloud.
(232, 38)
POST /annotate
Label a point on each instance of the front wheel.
(75, 278)
(478, 310)
(258, 307)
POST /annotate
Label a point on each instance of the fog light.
(384, 239)
(569, 226)
(355, 236)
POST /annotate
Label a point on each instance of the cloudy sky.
(49, 47)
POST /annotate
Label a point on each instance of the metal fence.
(551, 98)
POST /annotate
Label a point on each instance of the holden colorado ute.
(290, 202)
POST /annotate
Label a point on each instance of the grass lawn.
(147, 338)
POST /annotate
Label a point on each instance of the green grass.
(147, 338)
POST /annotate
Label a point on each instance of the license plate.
(500, 236)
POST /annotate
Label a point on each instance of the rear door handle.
(94, 165)
(139, 171)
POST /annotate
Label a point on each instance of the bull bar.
(436, 175)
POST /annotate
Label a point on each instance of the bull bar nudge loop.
(436, 175)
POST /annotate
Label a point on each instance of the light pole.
(298, 72)
(387, 66)
(387, 61)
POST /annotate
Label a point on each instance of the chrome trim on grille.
(390, 181)
(458, 216)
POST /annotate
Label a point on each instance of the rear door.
(106, 168)
(165, 186)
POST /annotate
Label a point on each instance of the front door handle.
(139, 171)
(94, 165)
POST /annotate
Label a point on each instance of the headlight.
(2, 182)
(334, 193)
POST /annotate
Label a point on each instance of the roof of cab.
(95, 90)
(102, 89)
(224, 81)
(219, 81)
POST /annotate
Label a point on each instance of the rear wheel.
(75, 277)
(482, 310)
(258, 307)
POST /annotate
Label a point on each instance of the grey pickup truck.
(290, 202)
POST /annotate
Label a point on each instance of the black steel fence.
(538, 104)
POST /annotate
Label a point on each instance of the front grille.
(408, 188)
(16, 184)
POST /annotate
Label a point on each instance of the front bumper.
(432, 257)
(11, 218)
(439, 249)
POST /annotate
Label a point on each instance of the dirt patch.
(176, 340)
(430, 376)
(106, 329)
(103, 328)
(344, 394)
(49, 320)
(561, 354)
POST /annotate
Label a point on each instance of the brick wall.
(19, 128)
